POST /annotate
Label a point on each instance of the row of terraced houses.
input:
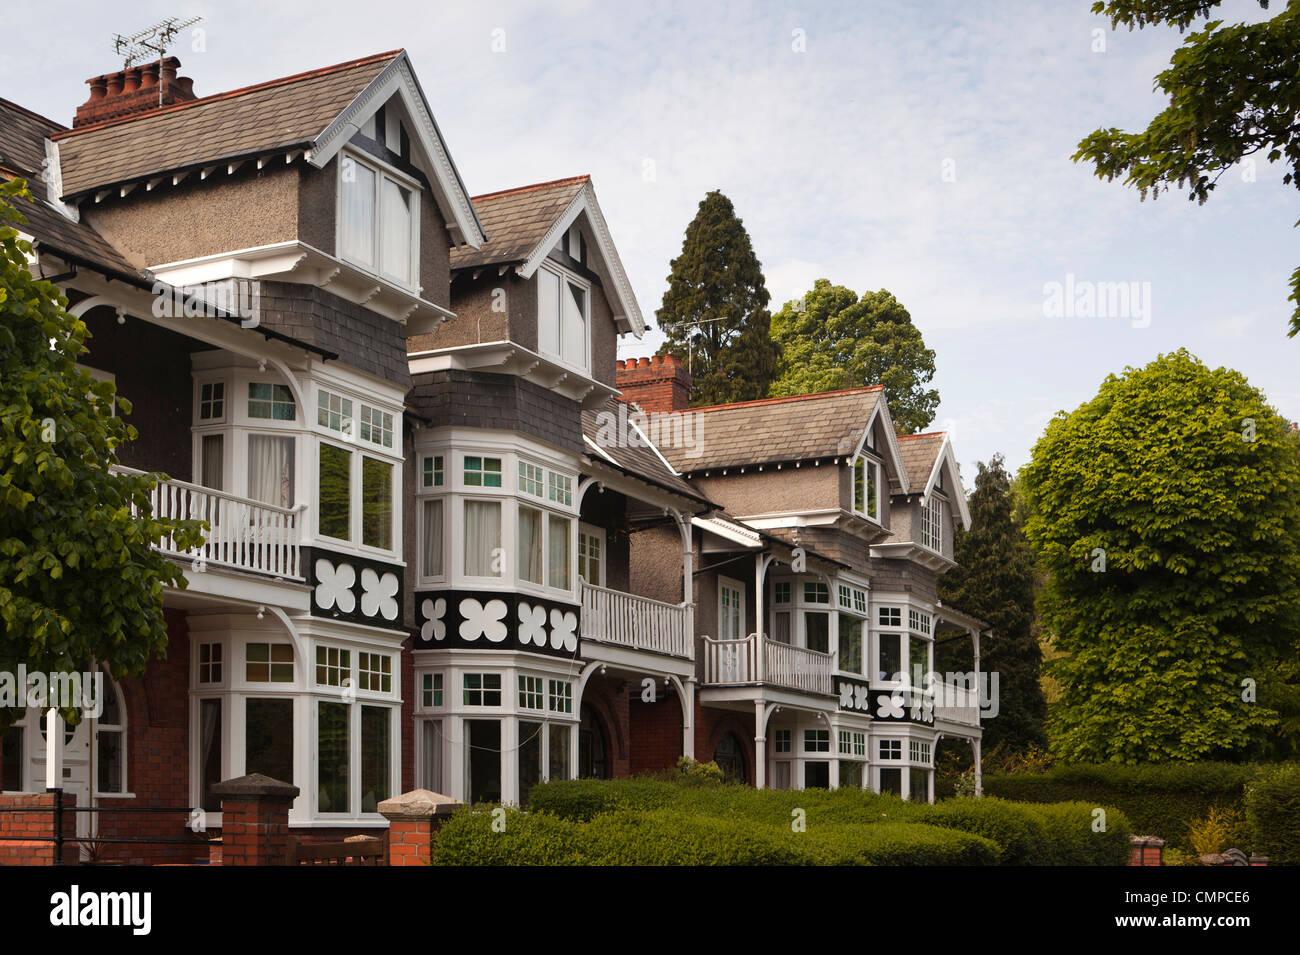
(453, 542)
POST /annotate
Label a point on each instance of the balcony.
(243, 534)
(637, 623)
(734, 662)
(957, 704)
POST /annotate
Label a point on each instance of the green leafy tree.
(714, 314)
(1166, 515)
(1234, 92)
(834, 339)
(995, 580)
(78, 580)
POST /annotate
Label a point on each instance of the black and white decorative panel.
(496, 621)
(353, 588)
(902, 705)
(855, 695)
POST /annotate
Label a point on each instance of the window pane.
(376, 757)
(817, 774)
(483, 760)
(432, 540)
(530, 758)
(548, 313)
(110, 761)
(335, 492)
(212, 468)
(209, 754)
(575, 325)
(859, 467)
(850, 644)
(358, 212)
(890, 663)
(781, 627)
(376, 503)
(891, 781)
(558, 544)
(559, 751)
(333, 757)
(817, 631)
(268, 738)
(395, 237)
(530, 545)
(271, 469)
(482, 538)
(432, 753)
(11, 750)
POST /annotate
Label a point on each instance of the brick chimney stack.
(134, 90)
(657, 383)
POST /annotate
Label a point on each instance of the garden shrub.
(895, 843)
(467, 838)
(1072, 840)
(1016, 829)
(1273, 814)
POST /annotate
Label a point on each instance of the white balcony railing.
(611, 616)
(730, 662)
(243, 534)
(957, 704)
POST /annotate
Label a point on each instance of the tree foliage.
(1166, 515)
(714, 314)
(78, 580)
(995, 581)
(1234, 92)
(835, 339)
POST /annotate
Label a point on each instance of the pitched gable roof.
(316, 111)
(772, 430)
(924, 455)
(524, 224)
(643, 463)
(23, 136)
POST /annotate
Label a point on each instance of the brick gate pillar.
(255, 820)
(414, 819)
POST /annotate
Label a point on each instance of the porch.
(636, 623)
(756, 659)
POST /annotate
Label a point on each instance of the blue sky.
(921, 148)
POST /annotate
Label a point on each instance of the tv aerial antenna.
(149, 42)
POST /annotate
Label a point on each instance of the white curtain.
(575, 325)
(558, 545)
(482, 537)
(530, 545)
(433, 538)
(358, 212)
(270, 469)
(395, 231)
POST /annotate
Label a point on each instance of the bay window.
(558, 551)
(482, 538)
(376, 503)
(334, 751)
(378, 220)
(530, 545)
(376, 756)
(563, 317)
(271, 469)
(431, 531)
(335, 486)
(268, 737)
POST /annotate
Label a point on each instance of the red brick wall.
(36, 828)
(608, 699)
(656, 733)
(657, 383)
(712, 724)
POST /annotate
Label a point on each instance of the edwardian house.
(452, 542)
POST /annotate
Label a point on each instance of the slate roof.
(290, 112)
(516, 220)
(773, 430)
(22, 154)
(638, 462)
(919, 452)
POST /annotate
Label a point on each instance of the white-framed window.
(375, 672)
(271, 402)
(560, 488)
(333, 666)
(210, 669)
(816, 592)
(781, 592)
(559, 696)
(781, 742)
(481, 689)
(337, 501)
(482, 471)
(268, 663)
(891, 749)
(530, 478)
(333, 411)
(918, 621)
(731, 609)
(376, 426)
(543, 547)
(563, 317)
(591, 554)
(816, 741)
(891, 656)
(530, 692)
(431, 470)
(890, 616)
(868, 488)
(334, 487)
(212, 401)
(918, 751)
(482, 538)
(932, 521)
(431, 537)
(379, 220)
(430, 690)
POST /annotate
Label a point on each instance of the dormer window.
(932, 520)
(867, 488)
(563, 317)
(378, 220)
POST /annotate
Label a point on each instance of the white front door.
(75, 776)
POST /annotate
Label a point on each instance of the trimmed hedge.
(1161, 799)
(1073, 839)
(894, 843)
(1273, 813)
(1016, 829)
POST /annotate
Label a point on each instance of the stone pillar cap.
(418, 804)
(255, 784)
